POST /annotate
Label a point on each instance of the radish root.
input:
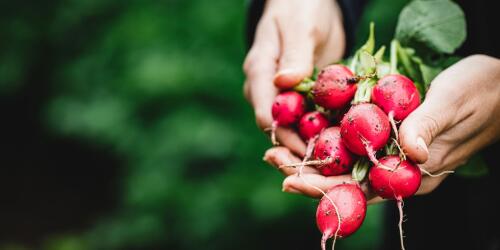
(400, 207)
(436, 175)
(324, 238)
(307, 163)
(393, 125)
(310, 147)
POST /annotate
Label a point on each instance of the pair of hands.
(460, 114)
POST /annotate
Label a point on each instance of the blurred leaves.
(159, 83)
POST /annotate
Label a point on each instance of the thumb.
(296, 60)
(420, 128)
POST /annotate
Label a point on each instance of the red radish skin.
(311, 124)
(331, 146)
(333, 88)
(397, 94)
(287, 109)
(365, 129)
(349, 210)
(401, 180)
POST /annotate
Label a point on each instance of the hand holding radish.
(372, 112)
(291, 37)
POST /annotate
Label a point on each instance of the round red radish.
(287, 108)
(333, 88)
(350, 205)
(402, 181)
(330, 146)
(365, 129)
(397, 94)
(311, 124)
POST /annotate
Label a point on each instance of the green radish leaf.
(315, 73)
(383, 69)
(369, 46)
(367, 63)
(437, 24)
(379, 55)
(360, 169)
(305, 86)
(428, 74)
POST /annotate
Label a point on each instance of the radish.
(365, 129)
(310, 125)
(330, 147)
(396, 94)
(395, 179)
(287, 109)
(340, 212)
(334, 87)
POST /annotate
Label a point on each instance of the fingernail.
(421, 144)
(284, 72)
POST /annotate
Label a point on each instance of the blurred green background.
(125, 127)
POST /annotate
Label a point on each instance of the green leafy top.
(436, 24)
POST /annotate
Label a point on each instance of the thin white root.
(325, 236)
(393, 125)
(402, 155)
(307, 163)
(400, 207)
(436, 175)
(371, 155)
(310, 147)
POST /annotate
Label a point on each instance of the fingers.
(308, 184)
(289, 138)
(279, 156)
(420, 128)
(260, 68)
(298, 42)
(296, 61)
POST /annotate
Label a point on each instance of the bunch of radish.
(349, 117)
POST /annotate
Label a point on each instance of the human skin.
(291, 38)
(459, 117)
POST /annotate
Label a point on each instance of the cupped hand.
(459, 117)
(291, 38)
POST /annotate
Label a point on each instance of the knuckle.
(253, 64)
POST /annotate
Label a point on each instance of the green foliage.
(437, 24)
(158, 83)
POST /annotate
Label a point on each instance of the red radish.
(287, 109)
(343, 205)
(395, 179)
(401, 180)
(311, 124)
(365, 129)
(396, 94)
(334, 88)
(331, 146)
